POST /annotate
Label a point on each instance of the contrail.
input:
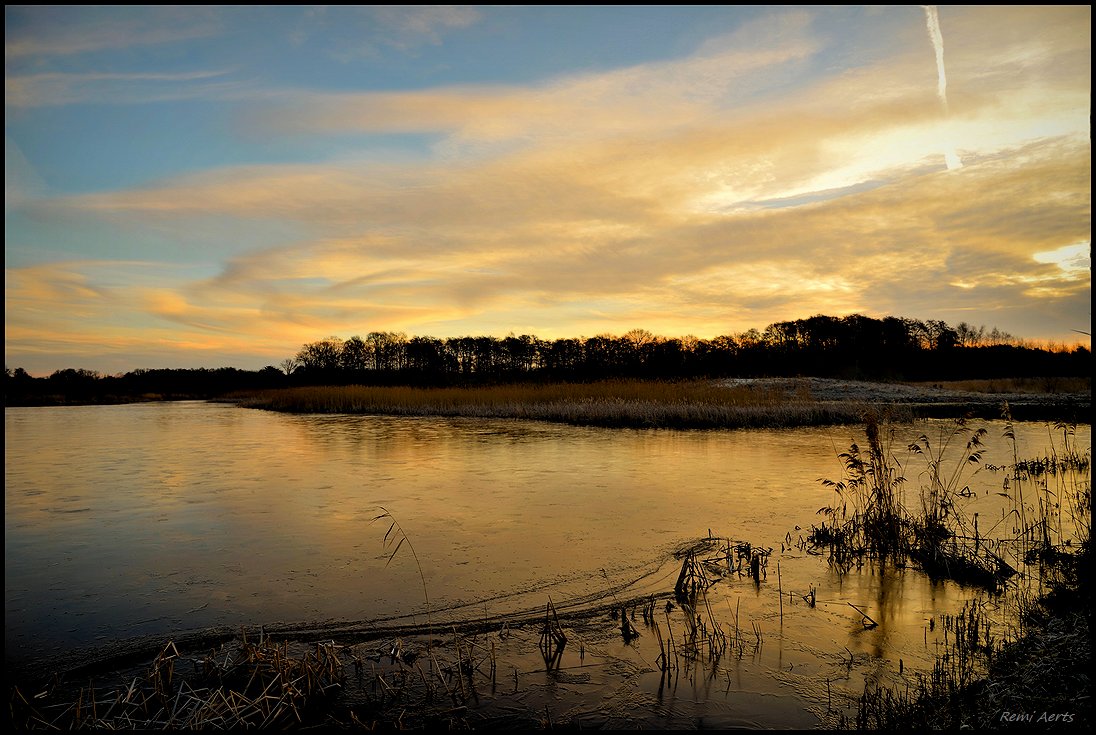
(937, 38)
(932, 20)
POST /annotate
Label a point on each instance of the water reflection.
(151, 518)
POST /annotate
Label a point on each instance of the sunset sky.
(215, 186)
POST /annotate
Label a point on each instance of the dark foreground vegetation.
(853, 347)
(1038, 679)
(1034, 674)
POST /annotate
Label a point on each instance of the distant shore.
(690, 404)
(731, 403)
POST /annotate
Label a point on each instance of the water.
(150, 519)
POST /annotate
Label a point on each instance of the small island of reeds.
(615, 403)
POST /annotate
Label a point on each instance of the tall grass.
(867, 515)
(1034, 660)
(870, 517)
(1052, 495)
(694, 404)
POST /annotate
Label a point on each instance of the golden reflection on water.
(157, 517)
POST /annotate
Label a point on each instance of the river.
(155, 518)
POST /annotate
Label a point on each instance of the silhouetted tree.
(320, 361)
(289, 365)
(428, 359)
(355, 355)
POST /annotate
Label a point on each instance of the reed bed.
(643, 404)
(269, 683)
(1032, 668)
(873, 516)
(256, 683)
(1065, 456)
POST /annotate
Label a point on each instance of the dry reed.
(695, 404)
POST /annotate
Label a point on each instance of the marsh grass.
(1030, 668)
(552, 637)
(867, 515)
(687, 404)
(249, 684)
(870, 517)
(967, 649)
(1064, 456)
(1051, 498)
(267, 682)
(437, 676)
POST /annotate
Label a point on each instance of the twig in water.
(867, 621)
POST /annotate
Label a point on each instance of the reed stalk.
(397, 540)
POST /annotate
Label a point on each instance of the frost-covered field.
(831, 389)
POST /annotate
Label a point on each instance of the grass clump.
(1030, 669)
(872, 519)
(868, 516)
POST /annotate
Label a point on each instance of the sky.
(217, 186)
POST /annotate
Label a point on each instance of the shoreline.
(725, 404)
(730, 403)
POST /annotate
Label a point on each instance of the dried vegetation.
(630, 403)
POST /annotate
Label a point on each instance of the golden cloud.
(667, 192)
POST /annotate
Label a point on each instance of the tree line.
(850, 347)
(90, 386)
(856, 346)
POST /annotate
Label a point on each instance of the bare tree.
(289, 364)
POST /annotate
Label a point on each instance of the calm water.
(155, 518)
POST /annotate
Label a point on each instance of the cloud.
(1076, 258)
(118, 315)
(907, 242)
(416, 24)
(38, 31)
(22, 182)
(932, 244)
(350, 34)
(641, 98)
(57, 88)
(61, 55)
(676, 196)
